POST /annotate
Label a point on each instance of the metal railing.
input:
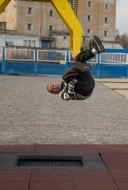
(52, 56)
(1, 53)
(14, 54)
(117, 58)
(60, 56)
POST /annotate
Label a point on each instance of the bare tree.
(122, 40)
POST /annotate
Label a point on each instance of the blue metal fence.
(112, 63)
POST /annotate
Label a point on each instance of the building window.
(88, 31)
(105, 33)
(33, 43)
(51, 13)
(45, 44)
(3, 25)
(30, 26)
(50, 28)
(89, 18)
(106, 19)
(9, 43)
(29, 10)
(29, 43)
(89, 3)
(106, 6)
(25, 43)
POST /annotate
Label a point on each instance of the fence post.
(3, 61)
(35, 62)
(67, 59)
(98, 65)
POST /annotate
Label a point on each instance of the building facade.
(39, 19)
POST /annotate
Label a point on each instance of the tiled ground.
(114, 177)
(119, 85)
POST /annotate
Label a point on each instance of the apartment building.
(39, 19)
(98, 17)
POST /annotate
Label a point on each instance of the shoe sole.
(98, 43)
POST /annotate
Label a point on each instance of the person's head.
(54, 88)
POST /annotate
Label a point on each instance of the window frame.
(105, 33)
(29, 10)
(30, 27)
(51, 13)
(89, 18)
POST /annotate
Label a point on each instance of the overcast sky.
(122, 16)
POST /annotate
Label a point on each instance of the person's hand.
(66, 96)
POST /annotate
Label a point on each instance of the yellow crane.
(69, 18)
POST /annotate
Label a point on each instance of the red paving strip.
(72, 186)
(95, 186)
(115, 149)
(18, 148)
(115, 177)
(119, 175)
(51, 186)
(15, 175)
(14, 186)
(65, 149)
(71, 176)
(116, 161)
(14, 180)
(90, 176)
(123, 186)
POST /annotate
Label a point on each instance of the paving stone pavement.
(29, 115)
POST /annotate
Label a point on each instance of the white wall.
(19, 40)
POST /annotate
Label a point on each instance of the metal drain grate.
(49, 162)
(87, 161)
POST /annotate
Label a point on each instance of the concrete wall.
(9, 15)
(18, 40)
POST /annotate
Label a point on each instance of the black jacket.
(85, 83)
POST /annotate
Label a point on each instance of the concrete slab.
(123, 92)
(121, 80)
(117, 86)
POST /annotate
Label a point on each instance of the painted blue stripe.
(116, 50)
